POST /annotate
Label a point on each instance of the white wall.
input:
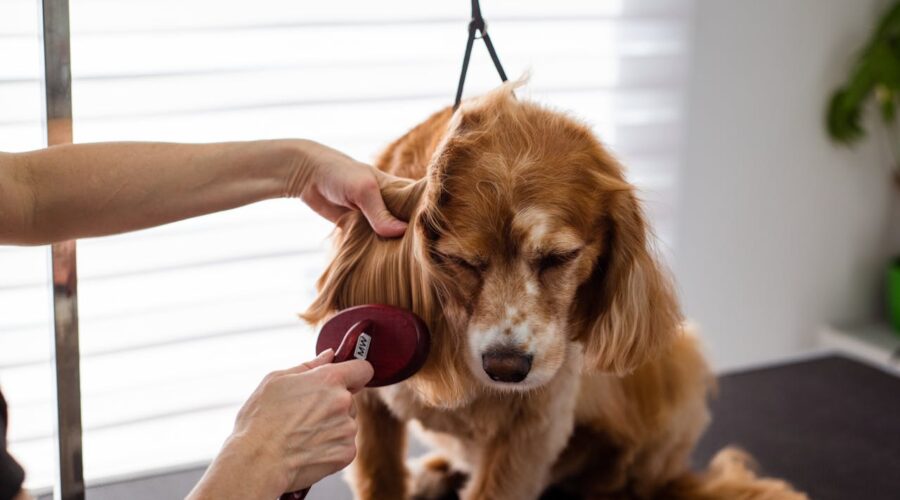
(779, 230)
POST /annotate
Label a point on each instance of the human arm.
(84, 190)
(297, 427)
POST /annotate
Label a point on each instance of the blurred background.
(716, 106)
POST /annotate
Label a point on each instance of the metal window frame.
(58, 103)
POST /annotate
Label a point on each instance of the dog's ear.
(367, 268)
(402, 196)
(627, 309)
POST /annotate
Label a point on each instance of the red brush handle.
(350, 348)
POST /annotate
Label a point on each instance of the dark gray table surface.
(830, 426)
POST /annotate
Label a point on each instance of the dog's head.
(524, 239)
(536, 241)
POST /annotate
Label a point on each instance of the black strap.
(477, 24)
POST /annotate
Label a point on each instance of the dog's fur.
(524, 234)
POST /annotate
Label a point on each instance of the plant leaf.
(843, 119)
(877, 67)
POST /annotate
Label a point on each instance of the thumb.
(355, 373)
(323, 358)
(380, 218)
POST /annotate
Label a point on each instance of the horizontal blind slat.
(174, 14)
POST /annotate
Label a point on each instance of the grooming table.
(830, 426)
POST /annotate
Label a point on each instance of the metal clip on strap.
(477, 24)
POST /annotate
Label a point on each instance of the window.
(179, 323)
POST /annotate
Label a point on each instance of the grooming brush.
(393, 340)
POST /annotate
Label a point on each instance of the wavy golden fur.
(526, 239)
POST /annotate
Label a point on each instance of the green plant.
(875, 72)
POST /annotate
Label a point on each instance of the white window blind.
(179, 323)
(26, 373)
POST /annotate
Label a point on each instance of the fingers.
(336, 429)
(353, 374)
(333, 450)
(322, 206)
(385, 179)
(380, 218)
(331, 212)
(323, 358)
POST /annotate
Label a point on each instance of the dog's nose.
(506, 365)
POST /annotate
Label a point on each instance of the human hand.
(297, 427)
(332, 184)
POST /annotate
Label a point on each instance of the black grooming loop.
(477, 24)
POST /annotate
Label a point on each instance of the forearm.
(84, 190)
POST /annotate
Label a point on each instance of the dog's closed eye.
(476, 266)
(554, 260)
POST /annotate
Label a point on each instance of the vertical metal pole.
(58, 88)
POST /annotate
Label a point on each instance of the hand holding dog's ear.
(332, 184)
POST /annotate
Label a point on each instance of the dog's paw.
(433, 478)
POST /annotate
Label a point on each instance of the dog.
(560, 364)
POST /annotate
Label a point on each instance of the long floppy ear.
(367, 268)
(402, 196)
(626, 310)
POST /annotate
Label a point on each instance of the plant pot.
(893, 294)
